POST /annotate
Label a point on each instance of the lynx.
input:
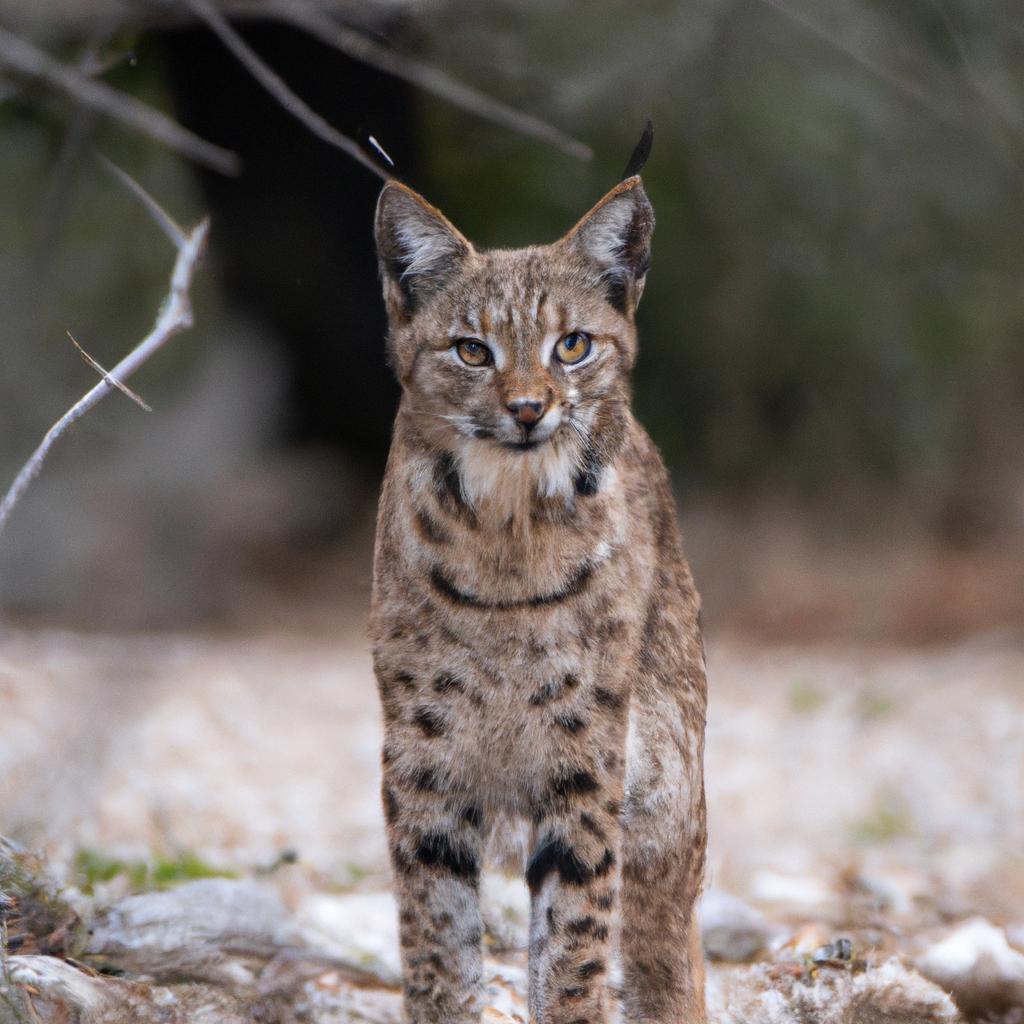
(534, 623)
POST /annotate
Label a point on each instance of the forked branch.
(175, 315)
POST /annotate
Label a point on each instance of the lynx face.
(517, 362)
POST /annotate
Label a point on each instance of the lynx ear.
(615, 236)
(417, 247)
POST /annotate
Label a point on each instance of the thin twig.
(175, 315)
(276, 85)
(170, 227)
(361, 47)
(123, 388)
(23, 57)
(1011, 121)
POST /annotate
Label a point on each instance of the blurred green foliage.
(835, 293)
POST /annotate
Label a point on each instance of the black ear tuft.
(642, 152)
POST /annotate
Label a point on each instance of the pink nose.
(527, 411)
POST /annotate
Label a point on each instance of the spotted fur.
(535, 625)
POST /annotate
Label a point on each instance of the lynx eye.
(573, 348)
(473, 352)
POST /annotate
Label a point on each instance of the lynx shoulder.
(534, 621)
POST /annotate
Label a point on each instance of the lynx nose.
(527, 411)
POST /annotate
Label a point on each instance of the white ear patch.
(425, 245)
(604, 235)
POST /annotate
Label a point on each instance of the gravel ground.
(873, 790)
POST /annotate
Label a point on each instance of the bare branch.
(276, 85)
(168, 225)
(175, 315)
(23, 57)
(123, 388)
(310, 18)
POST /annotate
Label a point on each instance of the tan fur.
(535, 625)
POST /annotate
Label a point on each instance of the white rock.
(505, 904)
(730, 929)
(890, 994)
(193, 930)
(359, 928)
(977, 964)
(795, 892)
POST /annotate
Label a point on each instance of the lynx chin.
(535, 624)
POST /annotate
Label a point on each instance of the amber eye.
(473, 353)
(573, 348)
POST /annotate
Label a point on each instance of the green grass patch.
(887, 821)
(873, 705)
(805, 698)
(93, 867)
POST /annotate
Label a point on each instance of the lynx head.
(516, 361)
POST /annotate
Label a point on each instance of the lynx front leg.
(436, 845)
(665, 835)
(573, 877)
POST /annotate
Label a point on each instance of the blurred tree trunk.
(309, 204)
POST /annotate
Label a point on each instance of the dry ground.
(875, 792)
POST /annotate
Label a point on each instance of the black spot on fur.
(604, 865)
(608, 699)
(406, 679)
(555, 856)
(610, 630)
(426, 780)
(574, 992)
(545, 695)
(570, 723)
(604, 902)
(601, 933)
(590, 969)
(438, 851)
(429, 529)
(588, 480)
(431, 722)
(570, 784)
(592, 826)
(472, 816)
(446, 683)
(581, 926)
(448, 489)
(390, 806)
(400, 862)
